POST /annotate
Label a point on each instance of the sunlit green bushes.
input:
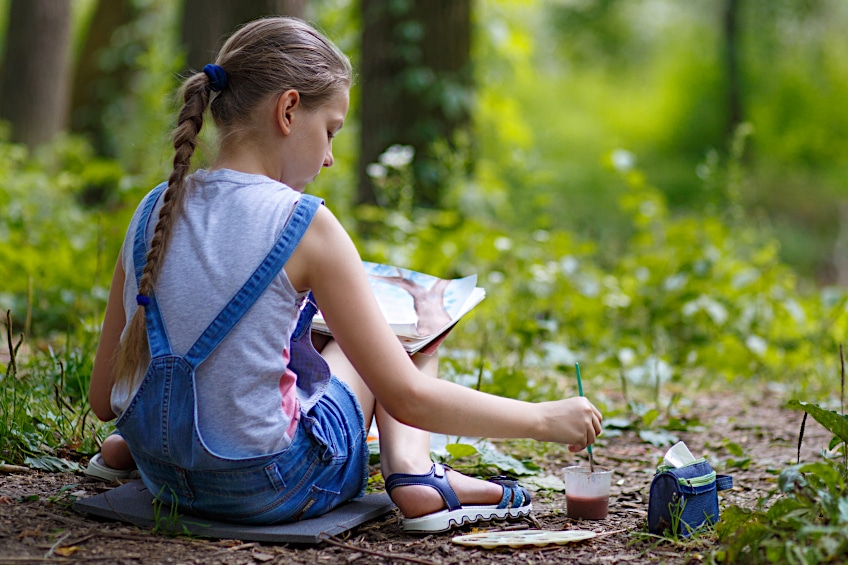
(691, 299)
(58, 218)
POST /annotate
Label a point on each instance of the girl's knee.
(116, 453)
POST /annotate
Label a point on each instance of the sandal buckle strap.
(514, 495)
(435, 479)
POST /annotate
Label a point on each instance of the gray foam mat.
(133, 503)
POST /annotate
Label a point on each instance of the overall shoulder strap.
(157, 337)
(247, 296)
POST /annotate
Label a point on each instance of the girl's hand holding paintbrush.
(573, 421)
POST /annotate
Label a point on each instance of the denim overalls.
(326, 462)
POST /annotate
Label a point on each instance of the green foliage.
(486, 461)
(807, 522)
(651, 76)
(53, 250)
(582, 256)
(688, 300)
(832, 420)
(44, 411)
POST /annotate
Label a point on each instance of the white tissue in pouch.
(678, 455)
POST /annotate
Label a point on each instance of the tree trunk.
(416, 87)
(207, 23)
(731, 61)
(100, 80)
(34, 80)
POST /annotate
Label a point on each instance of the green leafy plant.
(808, 520)
(486, 461)
(44, 413)
(805, 524)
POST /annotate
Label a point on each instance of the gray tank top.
(246, 395)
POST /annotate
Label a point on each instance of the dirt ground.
(38, 526)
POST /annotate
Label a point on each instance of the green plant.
(44, 411)
(166, 523)
(486, 461)
(808, 520)
(807, 523)
(174, 523)
(56, 254)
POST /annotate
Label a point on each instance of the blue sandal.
(514, 504)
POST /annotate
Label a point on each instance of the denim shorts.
(325, 465)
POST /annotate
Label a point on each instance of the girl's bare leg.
(116, 453)
(404, 449)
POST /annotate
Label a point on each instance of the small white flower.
(623, 160)
(616, 300)
(675, 282)
(714, 309)
(541, 235)
(503, 243)
(756, 344)
(541, 274)
(569, 265)
(626, 356)
(397, 156)
(376, 171)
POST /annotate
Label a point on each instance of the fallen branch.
(332, 540)
(59, 542)
(6, 468)
(35, 558)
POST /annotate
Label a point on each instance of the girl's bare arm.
(103, 375)
(327, 262)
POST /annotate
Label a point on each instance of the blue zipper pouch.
(685, 499)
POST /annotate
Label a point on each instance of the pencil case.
(684, 499)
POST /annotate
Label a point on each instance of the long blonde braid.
(134, 353)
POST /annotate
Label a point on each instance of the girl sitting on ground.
(205, 357)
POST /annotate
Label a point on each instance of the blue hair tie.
(142, 300)
(217, 77)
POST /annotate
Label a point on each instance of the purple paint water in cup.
(587, 493)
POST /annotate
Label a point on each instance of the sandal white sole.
(445, 520)
(100, 470)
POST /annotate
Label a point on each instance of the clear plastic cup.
(587, 493)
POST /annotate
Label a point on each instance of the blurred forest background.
(654, 188)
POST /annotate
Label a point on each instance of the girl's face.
(310, 146)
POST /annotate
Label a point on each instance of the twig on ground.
(34, 558)
(534, 521)
(842, 398)
(609, 533)
(58, 542)
(332, 540)
(6, 468)
(83, 538)
(516, 527)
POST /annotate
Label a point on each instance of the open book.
(420, 308)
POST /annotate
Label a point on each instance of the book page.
(420, 308)
(416, 304)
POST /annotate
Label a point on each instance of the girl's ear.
(284, 110)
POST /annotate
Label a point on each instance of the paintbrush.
(580, 391)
